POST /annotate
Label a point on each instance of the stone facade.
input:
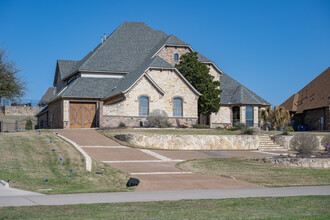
(223, 117)
(135, 121)
(20, 110)
(167, 53)
(127, 110)
(192, 142)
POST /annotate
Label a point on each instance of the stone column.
(243, 114)
(66, 118)
(255, 116)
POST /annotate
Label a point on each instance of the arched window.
(177, 107)
(249, 115)
(176, 57)
(143, 106)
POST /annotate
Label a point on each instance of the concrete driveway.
(155, 168)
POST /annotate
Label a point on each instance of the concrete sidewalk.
(147, 196)
(6, 192)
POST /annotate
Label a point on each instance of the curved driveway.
(154, 168)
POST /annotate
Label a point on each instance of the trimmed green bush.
(247, 130)
(304, 143)
(28, 124)
(240, 125)
(122, 125)
(285, 132)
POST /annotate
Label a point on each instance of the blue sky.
(272, 47)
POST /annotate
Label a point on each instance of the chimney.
(102, 40)
(105, 36)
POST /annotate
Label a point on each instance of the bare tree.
(12, 87)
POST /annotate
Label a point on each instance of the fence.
(8, 125)
(23, 102)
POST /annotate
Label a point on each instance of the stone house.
(311, 105)
(130, 74)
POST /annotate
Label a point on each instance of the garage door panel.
(82, 115)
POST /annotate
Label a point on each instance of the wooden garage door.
(82, 115)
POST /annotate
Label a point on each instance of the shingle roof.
(90, 87)
(50, 93)
(202, 58)
(125, 49)
(174, 40)
(66, 67)
(235, 93)
(45, 109)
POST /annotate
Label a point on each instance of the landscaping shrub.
(28, 124)
(326, 142)
(285, 132)
(289, 129)
(122, 125)
(158, 118)
(240, 125)
(304, 143)
(247, 130)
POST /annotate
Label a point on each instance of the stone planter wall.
(284, 141)
(300, 162)
(192, 142)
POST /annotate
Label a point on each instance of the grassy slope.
(309, 207)
(27, 160)
(259, 172)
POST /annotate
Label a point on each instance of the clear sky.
(274, 48)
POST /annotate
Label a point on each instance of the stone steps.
(267, 144)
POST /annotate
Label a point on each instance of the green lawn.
(260, 173)
(306, 207)
(27, 160)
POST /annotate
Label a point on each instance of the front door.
(82, 115)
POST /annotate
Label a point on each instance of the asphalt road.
(147, 196)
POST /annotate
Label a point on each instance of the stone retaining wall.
(299, 162)
(284, 141)
(192, 142)
(20, 110)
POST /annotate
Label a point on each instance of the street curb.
(87, 157)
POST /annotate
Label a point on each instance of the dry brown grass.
(28, 160)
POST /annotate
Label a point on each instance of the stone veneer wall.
(169, 82)
(135, 121)
(167, 53)
(284, 141)
(20, 110)
(192, 142)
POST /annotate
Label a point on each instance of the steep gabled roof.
(125, 49)
(66, 67)
(202, 58)
(235, 93)
(174, 40)
(89, 87)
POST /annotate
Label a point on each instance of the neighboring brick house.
(130, 74)
(311, 105)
